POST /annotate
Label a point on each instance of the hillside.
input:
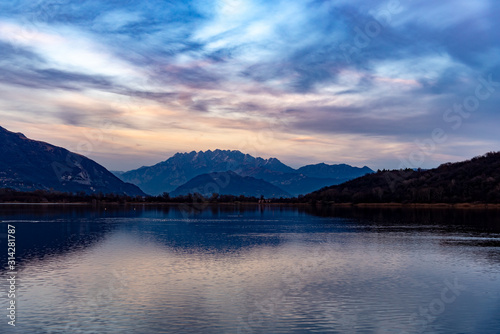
(28, 165)
(229, 183)
(475, 180)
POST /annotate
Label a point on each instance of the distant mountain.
(296, 183)
(229, 183)
(166, 176)
(338, 172)
(28, 165)
(475, 180)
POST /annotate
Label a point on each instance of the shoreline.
(331, 205)
(420, 205)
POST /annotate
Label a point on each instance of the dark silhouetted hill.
(28, 165)
(475, 180)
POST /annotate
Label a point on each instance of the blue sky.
(386, 84)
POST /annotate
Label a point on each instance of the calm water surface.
(230, 269)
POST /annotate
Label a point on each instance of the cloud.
(357, 69)
(52, 79)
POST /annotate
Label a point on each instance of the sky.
(387, 84)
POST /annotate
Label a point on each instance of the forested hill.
(475, 180)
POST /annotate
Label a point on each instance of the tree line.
(49, 196)
(475, 180)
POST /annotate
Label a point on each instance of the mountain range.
(169, 175)
(28, 165)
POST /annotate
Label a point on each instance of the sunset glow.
(357, 82)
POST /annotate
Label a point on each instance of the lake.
(252, 269)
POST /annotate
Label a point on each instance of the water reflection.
(238, 269)
(480, 219)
